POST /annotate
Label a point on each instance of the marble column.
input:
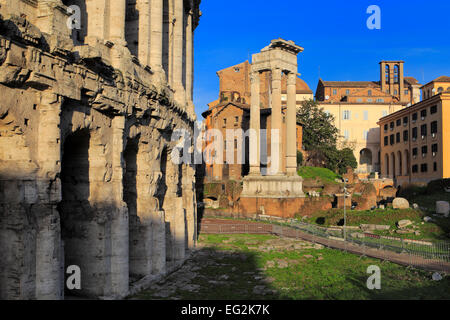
(291, 128)
(156, 34)
(255, 125)
(277, 119)
(178, 44)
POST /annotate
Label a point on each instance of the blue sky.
(333, 33)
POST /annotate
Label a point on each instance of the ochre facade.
(415, 140)
(358, 105)
(86, 119)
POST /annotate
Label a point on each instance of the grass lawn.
(266, 267)
(435, 230)
(326, 175)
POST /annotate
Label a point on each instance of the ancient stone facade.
(86, 119)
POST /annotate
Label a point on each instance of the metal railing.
(415, 253)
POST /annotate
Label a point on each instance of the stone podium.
(279, 193)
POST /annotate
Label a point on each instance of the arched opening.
(440, 90)
(80, 28)
(132, 27)
(365, 159)
(387, 74)
(396, 74)
(392, 169)
(166, 47)
(74, 207)
(130, 198)
(400, 163)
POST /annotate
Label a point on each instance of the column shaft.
(255, 124)
(277, 120)
(291, 134)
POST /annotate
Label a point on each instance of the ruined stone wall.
(86, 176)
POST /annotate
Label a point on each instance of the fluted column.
(291, 134)
(255, 125)
(156, 34)
(276, 118)
(178, 43)
(117, 15)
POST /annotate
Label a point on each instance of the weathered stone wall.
(86, 176)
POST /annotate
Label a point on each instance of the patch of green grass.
(310, 273)
(434, 230)
(326, 175)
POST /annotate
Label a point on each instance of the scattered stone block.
(443, 207)
(404, 223)
(400, 203)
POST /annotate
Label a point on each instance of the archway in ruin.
(130, 198)
(74, 207)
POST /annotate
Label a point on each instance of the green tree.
(320, 138)
(318, 128)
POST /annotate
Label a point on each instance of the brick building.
(416, 140)
(358, 105)
(232, 111)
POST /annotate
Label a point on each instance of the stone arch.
(74, 207)
(130, 196)
(365, 157)
(79, 35)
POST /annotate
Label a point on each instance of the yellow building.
(358, 105)
(416, 140)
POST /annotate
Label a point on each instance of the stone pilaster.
(49, 252)
(189, 60)
(177, 59)
(291, 128)
(401, 82)
(156, 34)
(117, 15)
(143, 7)
(255, 125)
(383, 76)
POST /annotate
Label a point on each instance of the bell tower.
(392, 78)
